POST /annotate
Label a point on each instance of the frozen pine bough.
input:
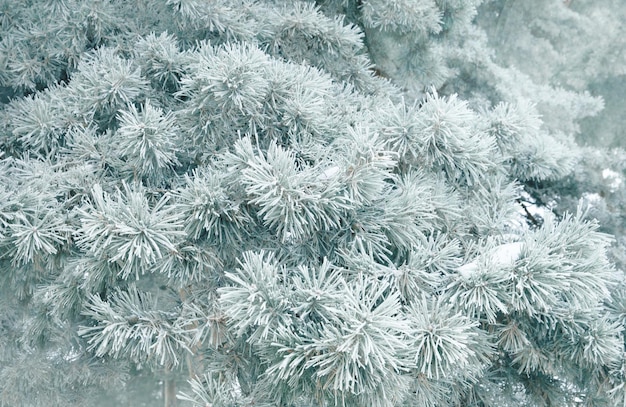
(236, 203)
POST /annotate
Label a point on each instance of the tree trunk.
(169, 392)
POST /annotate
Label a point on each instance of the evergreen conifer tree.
(297, 203)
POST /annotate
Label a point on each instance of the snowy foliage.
(295, 203)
